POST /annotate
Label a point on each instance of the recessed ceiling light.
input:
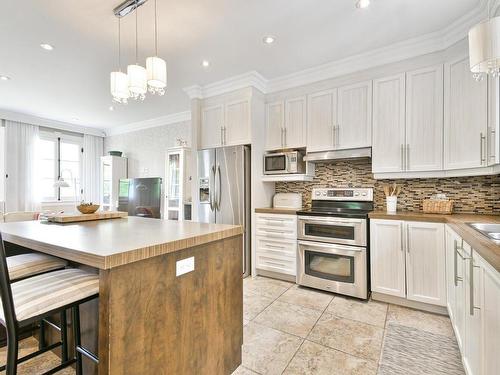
(46, 46)
(205, 63)
(361, 4)
(4, 78)
(111, 108)
(269, 39)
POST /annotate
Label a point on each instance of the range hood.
(364, 152)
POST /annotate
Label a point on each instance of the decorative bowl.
(115, 153)
(86, 208)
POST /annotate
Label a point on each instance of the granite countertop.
(105, 244)
(485, 247)
(272, 210)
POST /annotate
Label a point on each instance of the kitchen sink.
(492, 231)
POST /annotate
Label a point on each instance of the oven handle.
(330, 220)
(330, 246)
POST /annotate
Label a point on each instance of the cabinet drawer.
(276, 223)
(276, 248)
(284, 265)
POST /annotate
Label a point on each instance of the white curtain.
(21, 192)
(92, 151)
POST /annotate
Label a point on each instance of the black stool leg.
(77, 339)
(64, 337)
(12, 348)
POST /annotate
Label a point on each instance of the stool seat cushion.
(26, 265)
(40, 294)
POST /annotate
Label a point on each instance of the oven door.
(276, 163)
(336, 268)
(333, 230)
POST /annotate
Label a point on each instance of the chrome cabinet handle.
(407, 239)
(211, 191)
(222, 135)
(220, 188)
(337, 137)
(492, 132)
(471, 286)
(455, 261)
(225, 130)
(482, 138)
(407, 161)
(402, 238)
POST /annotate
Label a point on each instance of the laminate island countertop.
(170, 293)
(111, 243)
(485, 247)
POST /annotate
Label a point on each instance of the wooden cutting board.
(73, 217)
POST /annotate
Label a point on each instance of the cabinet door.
(295, 123)
(321, 120)
(425, 263)
(424, 119)
(387, 257)
(473, 320)
(212, 122)
(237, 123)
(275, 122)
(451, 239)
(460, 310)
(354, 125)
(491, 320)
(388, 124)
(465, 114)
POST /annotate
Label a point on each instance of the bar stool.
(33, 299)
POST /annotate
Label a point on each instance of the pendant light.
(484, 48)
(118, 79)
(156, 67)
(137, 76)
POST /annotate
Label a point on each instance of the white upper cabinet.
(237, 123)
(354, 124)
(275, 123)
(388, 124)
(387, 257)
(424, 119)
(465, 114)
(286, 124)
(212, 126)
(295, 133)
(425, 263)
(321, 121)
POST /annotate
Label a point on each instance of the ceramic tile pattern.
(479, 194)
(349, 337)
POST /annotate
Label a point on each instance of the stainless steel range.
(333, 241)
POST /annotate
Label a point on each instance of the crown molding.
(248, 79)
(152, 123)
(48, 123)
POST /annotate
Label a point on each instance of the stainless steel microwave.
(284, 162)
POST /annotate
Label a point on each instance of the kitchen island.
(170, 293)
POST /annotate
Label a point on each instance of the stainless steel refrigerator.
(224, 191)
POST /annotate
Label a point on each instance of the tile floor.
(293, 330)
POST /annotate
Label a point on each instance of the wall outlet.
(184, 266)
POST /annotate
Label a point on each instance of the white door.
(275, 122)
(237, 123)
(354, 125)
(295, 122)
(425, 262)
(387, 257)
(465, 115)
(473, 321)
(424, 119)
(388, 124)
(321, 120)
(491, 319)
(212, 124)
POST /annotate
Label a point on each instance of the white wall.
(2, 167)
(145, 149)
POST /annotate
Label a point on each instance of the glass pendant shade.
(484, 48)
(137, 81)
(119, 87)
(157, 74)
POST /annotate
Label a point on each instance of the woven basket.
(438, 206)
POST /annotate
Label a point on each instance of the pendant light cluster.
(138, 80)
(484, 48)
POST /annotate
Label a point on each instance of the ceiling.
(71, 83)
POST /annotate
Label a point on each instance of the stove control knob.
(318, 193)
(324, 193)
(364, 194)
(356, 194)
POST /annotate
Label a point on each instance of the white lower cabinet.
(473, 301)
(408, 260)
(276, 247)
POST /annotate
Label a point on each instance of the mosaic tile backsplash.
(479, 194)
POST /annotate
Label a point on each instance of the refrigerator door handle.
(219, 193)
(211, 194)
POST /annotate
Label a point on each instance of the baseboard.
(412, 304)
(275, 275)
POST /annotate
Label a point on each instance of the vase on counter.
(392, 203)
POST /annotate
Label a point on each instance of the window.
(59, 156)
